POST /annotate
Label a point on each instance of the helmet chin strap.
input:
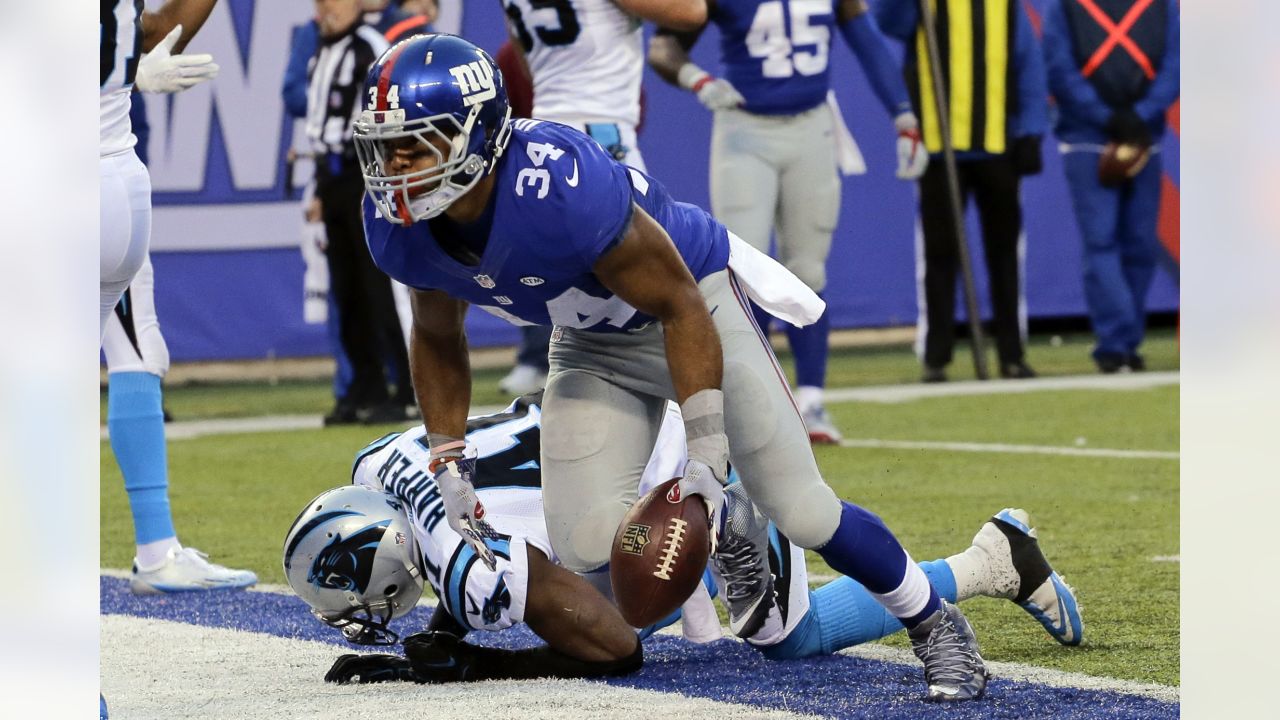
(433, 204)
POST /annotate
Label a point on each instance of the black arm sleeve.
(439, 657)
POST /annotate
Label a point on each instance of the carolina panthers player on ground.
(773, 149)
(534, 222)
(136, 354)
(322, 566)
(586, 59)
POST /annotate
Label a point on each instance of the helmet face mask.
(447, 95)
(351, 557)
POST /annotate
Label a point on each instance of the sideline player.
(586, 60)
(136, 354)
(1003, 561)
(126, 31)
(534, 222)
(774, 148)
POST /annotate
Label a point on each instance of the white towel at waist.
(772, 286)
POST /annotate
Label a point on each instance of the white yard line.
(187, 429)
(1167, 559)
(1008, 449)
(907, 393)
(1030, 673)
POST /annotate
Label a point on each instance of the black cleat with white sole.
(953, 667)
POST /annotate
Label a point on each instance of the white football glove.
(462, 508)
(913, 157)
(714, 93)
(159, 71)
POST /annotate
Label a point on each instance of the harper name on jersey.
(777, 53)
(586, 57)
(559, 204)
(508, 481)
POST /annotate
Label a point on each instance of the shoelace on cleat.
(741, 568)
(947, 658)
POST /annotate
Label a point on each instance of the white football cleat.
(821, 430)
(184, 570)
(522, 380)
(1019, 571)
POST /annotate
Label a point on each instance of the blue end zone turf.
(835, 686)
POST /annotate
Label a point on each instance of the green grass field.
(1101, 520)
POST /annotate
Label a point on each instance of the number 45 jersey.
(559, 204)
(777, 53)
(586, 57)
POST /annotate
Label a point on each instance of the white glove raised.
(463, 510)
(714, 93)
(913, 157)
(159, 71)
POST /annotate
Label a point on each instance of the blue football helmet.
(430, 96)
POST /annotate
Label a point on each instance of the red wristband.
(701, 83)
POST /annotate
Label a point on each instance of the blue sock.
(809, 345)
(843, 614)
(865, 550)
(136, 425)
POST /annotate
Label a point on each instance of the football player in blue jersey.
(535, 222)
(775, 141)
(387, 542)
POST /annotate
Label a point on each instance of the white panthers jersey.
(586, 58)
(120, 48)
(508, 481)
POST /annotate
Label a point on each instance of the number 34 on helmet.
(436, 120)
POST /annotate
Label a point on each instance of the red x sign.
(1118, 35)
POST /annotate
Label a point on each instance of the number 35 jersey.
(559, 203)
(777, 53)
(586, 58)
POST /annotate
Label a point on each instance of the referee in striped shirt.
(369, 327)
(998, 104)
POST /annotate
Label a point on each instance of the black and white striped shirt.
(335, 92)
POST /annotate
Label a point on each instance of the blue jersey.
(559, 204)
(777, 53)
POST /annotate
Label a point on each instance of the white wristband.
(689, 75)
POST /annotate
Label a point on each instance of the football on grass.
(659, 553)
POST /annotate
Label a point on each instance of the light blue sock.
(136, 424)
(843, 614)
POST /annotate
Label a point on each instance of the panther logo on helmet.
(346, 563)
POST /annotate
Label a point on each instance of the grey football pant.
(778, 173)
(604, 404)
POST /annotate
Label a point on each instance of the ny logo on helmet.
(346, 563)
(475, 80)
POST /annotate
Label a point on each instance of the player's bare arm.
(646, 270)
(190, 14)
(669, 51)
(440, 364)
(847, 10)
(572, 616)
(675, 14)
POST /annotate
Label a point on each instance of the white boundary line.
(1008, 448)
(884, 653)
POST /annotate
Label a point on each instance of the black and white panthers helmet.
(352, 557)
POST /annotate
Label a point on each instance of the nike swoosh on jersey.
(573, 181)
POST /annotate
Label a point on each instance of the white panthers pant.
(125, 234)
(778, 173)
(132, 341)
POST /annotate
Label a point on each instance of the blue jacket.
(1081, 114)
(900, 19)
(303, 45)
